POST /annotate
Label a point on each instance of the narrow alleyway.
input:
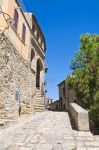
(46, 131)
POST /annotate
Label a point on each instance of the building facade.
(66, 96)
(22, 60)
(48, 101)
(54, 106)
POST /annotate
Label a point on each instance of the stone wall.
(15, 77)
(70, 96)
(62, 96)
(80, 117)
(67, 95)
(54, 106)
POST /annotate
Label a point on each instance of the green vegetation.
(85, 74)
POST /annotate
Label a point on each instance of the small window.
(32, 55)
(37, 35)
(41, 43)
(61, 102)
(16, 18)
(33, 28)
(64, 106)
(63, 90)
(56, 107)
(23, 33)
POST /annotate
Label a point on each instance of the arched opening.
(38, 73)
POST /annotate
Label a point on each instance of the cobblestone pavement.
(46, 131)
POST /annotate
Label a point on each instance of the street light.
(10, 21)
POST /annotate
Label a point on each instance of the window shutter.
(23, 33)
(16, 17)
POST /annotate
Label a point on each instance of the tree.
(85, 72)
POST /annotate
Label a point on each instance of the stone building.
(48, 101)
(66, 96)
(54, 106)
(22, 61)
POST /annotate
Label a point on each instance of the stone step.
(38, 92)
(39, 99)
(39, 95)
(38, 110)
(39, 103)
(40, 106)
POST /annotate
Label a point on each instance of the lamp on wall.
(10, 21)
(46, 67)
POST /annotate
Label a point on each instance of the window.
(32, 55)
(41, 43)
(61, 101)
(63, 90)
(37, 35)
(64, 106)
(16, 18)
(33, 28)
(56, 107)
(23, 33)
(31, 58)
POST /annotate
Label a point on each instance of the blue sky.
(62, 22)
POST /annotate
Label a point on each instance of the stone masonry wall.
(70, 96)
(15, 75)
(80, 117)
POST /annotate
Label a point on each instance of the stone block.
(80, 117)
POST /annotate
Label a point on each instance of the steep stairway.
(39, 101)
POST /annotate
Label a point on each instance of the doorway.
(38, 73)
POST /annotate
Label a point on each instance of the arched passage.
(39, 68)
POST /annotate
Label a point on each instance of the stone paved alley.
(46, 131)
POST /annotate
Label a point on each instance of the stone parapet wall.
(15, 77)
(80, 117)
